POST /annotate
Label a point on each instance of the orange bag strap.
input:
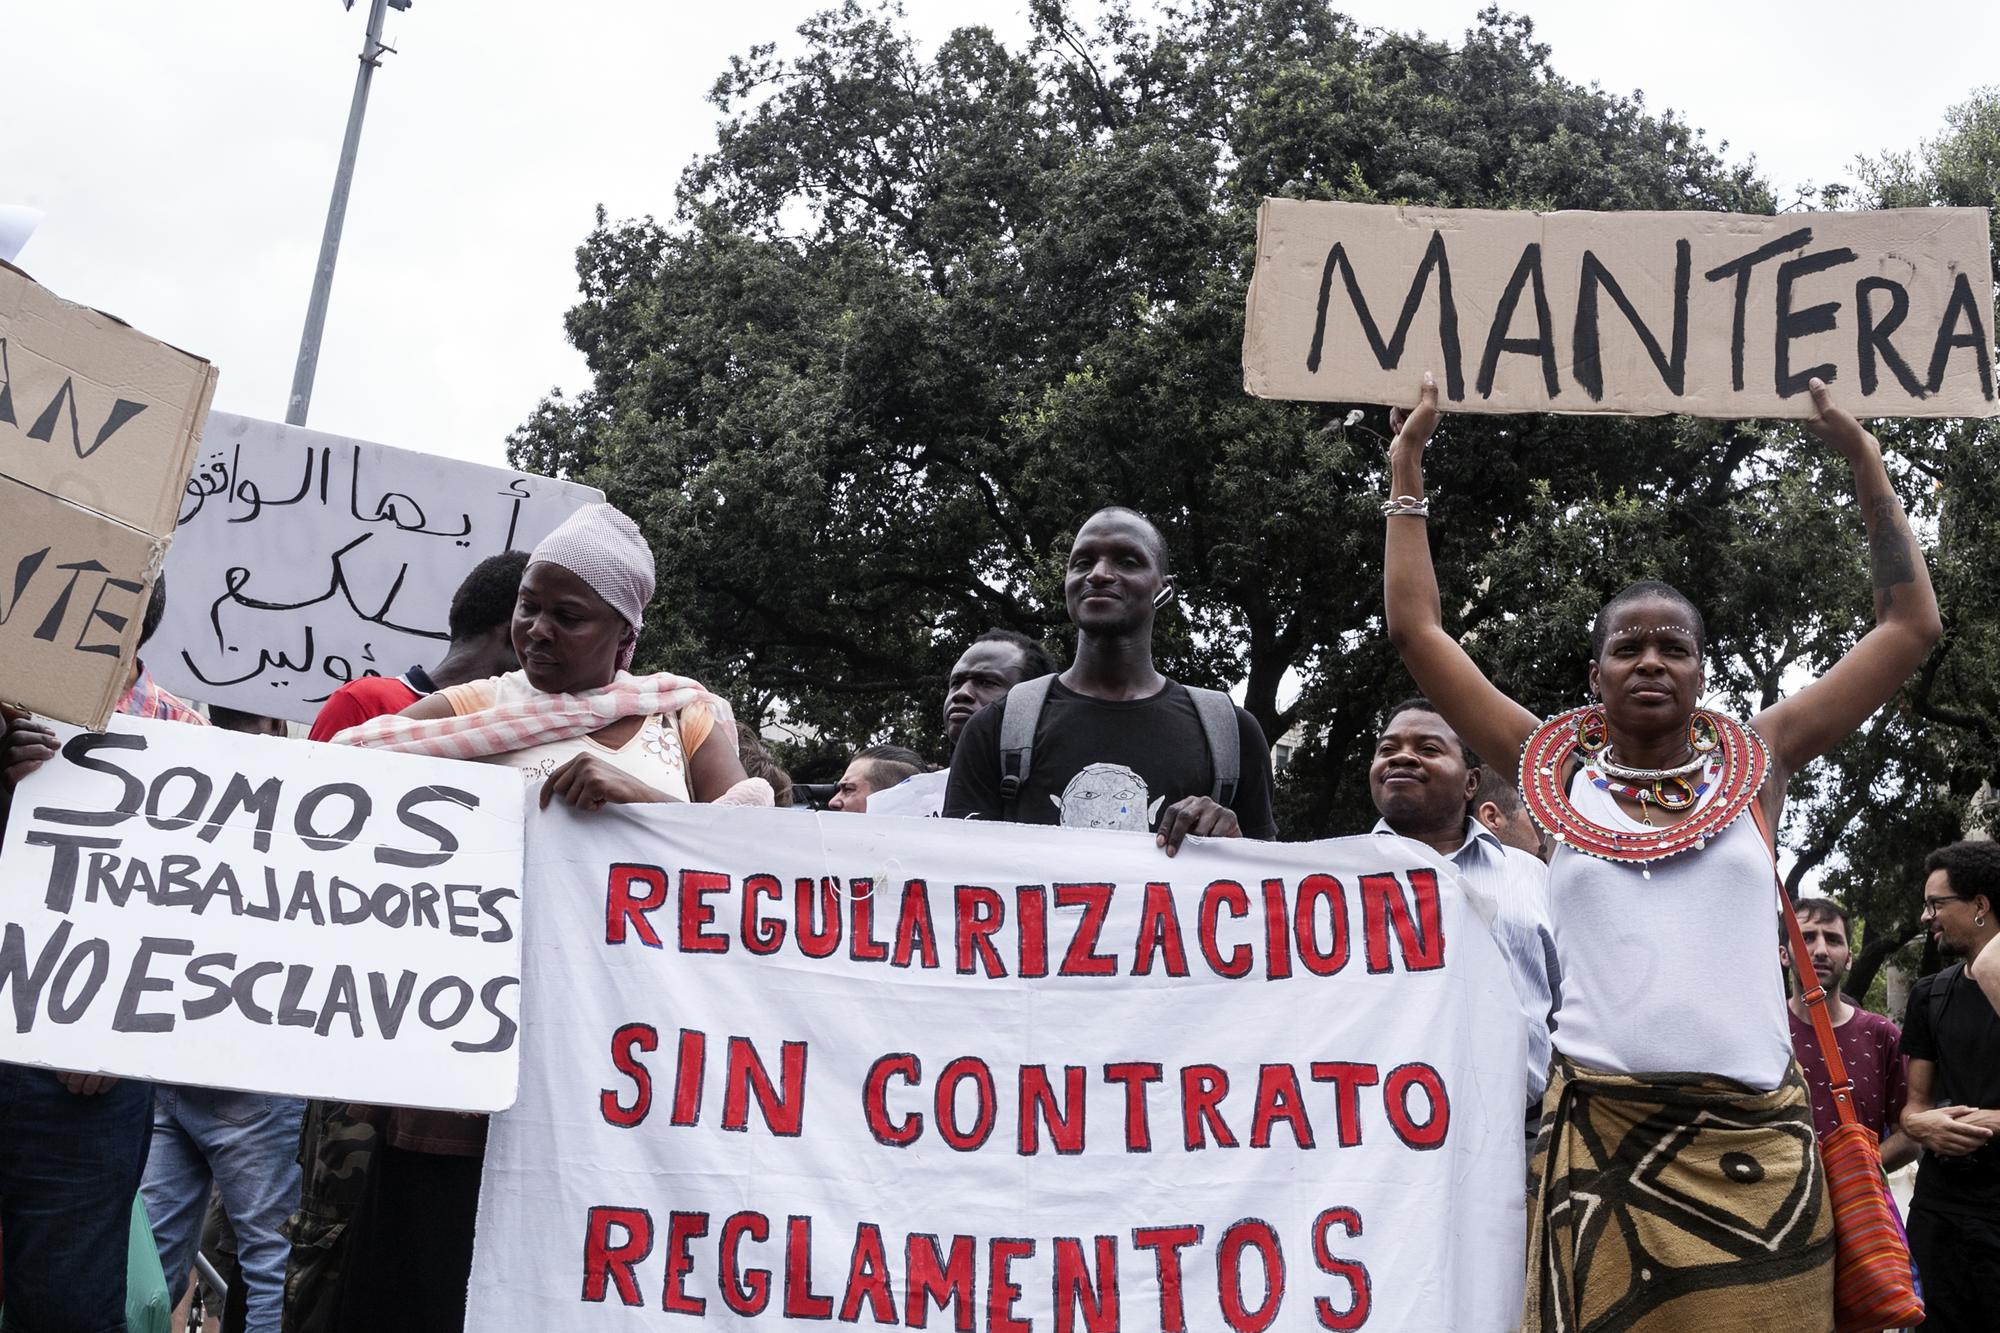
(1810, 991)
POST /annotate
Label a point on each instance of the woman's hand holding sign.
(589, 783)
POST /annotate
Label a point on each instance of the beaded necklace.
(1735, 772)
(1673, 792)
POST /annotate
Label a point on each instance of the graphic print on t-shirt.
(1107, 796)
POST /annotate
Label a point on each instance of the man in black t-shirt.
(1117, 744)
(1951, 1034)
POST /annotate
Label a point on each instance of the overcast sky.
(183, 151)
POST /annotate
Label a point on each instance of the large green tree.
(921, 311)
(1928, 771)
(917, 314)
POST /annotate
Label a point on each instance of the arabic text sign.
(1711, 314)
(97, 427)
(783, 1070)
(195, 905)
(305, 560)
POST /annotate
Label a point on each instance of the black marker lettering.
(447, 841)
(1542, 345)
(79, 750)
(1963, 307)
(489, 903)
(389, 1009)
(1872, 339)
(138, 981)
(359, 805)
(62, 867)
(97, 613)
(243, 990)
(217, 999)
(1672, 366)
(341, 1001)
(1389, 355)
(1792, 325)
(27, 983)
(67, 1005)
(503, 1036)
(1740, 269)
(290, 1014)
(261, 801)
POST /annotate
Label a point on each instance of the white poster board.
(194, 905)
(791, 1071)
(304, 560)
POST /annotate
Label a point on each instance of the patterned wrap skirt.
(1677, 1202)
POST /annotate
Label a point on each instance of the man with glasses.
(1951, 1035)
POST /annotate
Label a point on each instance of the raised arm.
(1808, 724)
(1492, 724)
(1984, 968)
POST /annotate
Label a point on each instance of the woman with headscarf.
(585, 732)
(1677, 1182)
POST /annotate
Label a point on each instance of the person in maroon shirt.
(1870, 1045)
(481, 626)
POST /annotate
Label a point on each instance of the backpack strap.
(1017, 738)
(1940, 997)
(1225, 750)
(1811, 993)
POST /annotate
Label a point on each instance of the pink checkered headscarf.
(605, 549)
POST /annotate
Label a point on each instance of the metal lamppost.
(372, 51)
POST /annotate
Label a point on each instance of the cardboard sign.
(1709, 314)
(194, 905)
(904, 1073)
(305, 560)
(98, 425)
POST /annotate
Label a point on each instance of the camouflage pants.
(335, 1147)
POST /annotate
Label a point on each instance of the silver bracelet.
(1406, 506)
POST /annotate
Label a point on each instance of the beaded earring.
(1703, 735)
(1593, 732)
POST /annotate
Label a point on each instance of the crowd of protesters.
(344, 1217)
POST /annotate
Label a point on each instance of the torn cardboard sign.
(1709, 314)
(98, 427)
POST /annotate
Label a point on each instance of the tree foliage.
(919, 313)
(1928, 773)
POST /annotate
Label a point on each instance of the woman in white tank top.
(1677, 1182)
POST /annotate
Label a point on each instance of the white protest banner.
(780, 1071)
(305, 560)
(98, 425)
(195, 905)
(1710, 314)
